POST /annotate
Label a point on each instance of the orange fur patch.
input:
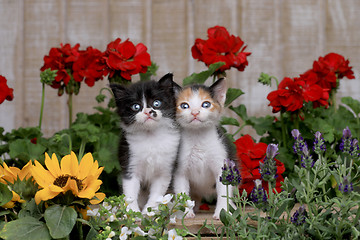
(187, 93)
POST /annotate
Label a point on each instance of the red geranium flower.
(288, 97)
(250, 154)
(331, 67)
(61, 59)
(126, 58)
(6, 93)
(221, 47)
(89, 66)
(312, 92)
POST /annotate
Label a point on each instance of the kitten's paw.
(133, 207)
(216, 216)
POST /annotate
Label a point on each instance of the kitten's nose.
(149, 112)
(195, 113)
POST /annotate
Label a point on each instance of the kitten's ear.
(167, 81)
(118, 90)
(219, 90)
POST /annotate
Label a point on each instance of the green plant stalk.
(81, 149)
(70, 108)
(42, 105)
(283, 129)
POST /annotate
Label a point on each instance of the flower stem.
(82, 149)
(227, 198)
(70, 107)
(283, 130)
(42, 105)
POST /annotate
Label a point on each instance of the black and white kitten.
(150, 141)
(203, 146)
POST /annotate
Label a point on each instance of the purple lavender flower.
(268, 168)
(306, 158)
(230, 173)
(346, 186)
(319, 144)
(271, 151)
(345, 145)
(299, 216)
(258, 195)
(299, 142)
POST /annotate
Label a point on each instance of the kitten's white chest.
(153, 153)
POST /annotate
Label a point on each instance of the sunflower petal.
(69, 164)
(41, 176)
(99, 197)
(52, 165)
(44, 194)
(90, 190)
(85, 165)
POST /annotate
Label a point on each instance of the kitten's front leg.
(221, 202)
(182, 185)
(158, 189)
(131, 188)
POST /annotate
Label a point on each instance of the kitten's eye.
(157, 103)
(206, 104)
(184, 106)
(136, 107)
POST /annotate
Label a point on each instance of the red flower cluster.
(312, 86)
(91, 65)
(126, 58)
(221, 47)
(250, 154)
(6, 93)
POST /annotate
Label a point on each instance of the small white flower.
(165, 199)
(139, 231)
(151, 232)
(93, 212)
(107, 206)
(190, 204)
(128, 200)
(111, 234)
(112, 218)
(258, 183)
(124, 233)
(173, 235)
(150, 213)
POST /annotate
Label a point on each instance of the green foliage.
(200, 78)
(5, 194)
(27, 228)
(60, 220)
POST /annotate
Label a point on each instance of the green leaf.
(232, 94)
(27, 228)
(225, 217)
(229, 121)
(5, 194)
(201, 77)
(240, 111)
(60, 220)
(352, 103)
(106, 151)
(25, 150)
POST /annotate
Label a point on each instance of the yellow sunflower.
(11, 175)
(79, 178)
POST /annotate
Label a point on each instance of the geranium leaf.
(201, 77)
(60, 220)
(240, 111)
(352, 103)
(5, 194)
(229, 121)
(27, 228)
(25, 150)
(232, 94)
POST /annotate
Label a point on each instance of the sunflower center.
(62, 180)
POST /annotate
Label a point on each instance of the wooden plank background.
(285, 37)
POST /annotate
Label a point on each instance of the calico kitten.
(203, 146)
(150, 141)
